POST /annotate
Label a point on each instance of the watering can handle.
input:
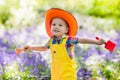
(97, 38)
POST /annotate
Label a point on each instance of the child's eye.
(53, 24)
(60, 25)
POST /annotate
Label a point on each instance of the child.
(62, 27)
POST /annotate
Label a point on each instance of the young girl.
(62, 27)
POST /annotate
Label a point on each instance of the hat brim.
(59, 13)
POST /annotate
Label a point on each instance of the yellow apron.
(63, 67)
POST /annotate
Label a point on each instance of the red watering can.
(109, 45)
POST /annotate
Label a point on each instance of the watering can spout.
(18, 50)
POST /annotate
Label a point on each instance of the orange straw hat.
(59, 13)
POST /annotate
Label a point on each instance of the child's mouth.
(56, 30)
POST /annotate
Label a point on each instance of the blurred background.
(22, 23)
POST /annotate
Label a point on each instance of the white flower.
(94, 61)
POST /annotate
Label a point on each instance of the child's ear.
(67, 30)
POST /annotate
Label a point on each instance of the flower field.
(92, 61)
(25, 26)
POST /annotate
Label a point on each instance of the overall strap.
(51, 39)
(64, 40)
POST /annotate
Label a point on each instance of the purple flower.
(84, 74)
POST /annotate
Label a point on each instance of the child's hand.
(27, 48)
(101, 41)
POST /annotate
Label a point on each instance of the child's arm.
(36, 48)
(91, 41)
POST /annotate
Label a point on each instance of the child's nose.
(56, 26)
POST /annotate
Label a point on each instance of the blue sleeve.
(72, 40)
(48, 44)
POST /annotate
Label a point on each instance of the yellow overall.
(63, 67)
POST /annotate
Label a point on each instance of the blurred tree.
(4, 14)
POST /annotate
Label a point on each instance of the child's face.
(59, 27)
